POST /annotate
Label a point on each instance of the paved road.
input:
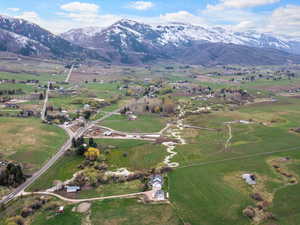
(69, 74)
(19, 190)
(43, 113)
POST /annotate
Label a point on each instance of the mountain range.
(131, 42)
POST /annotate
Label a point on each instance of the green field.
(42, 77)
(29, 141)
(62, 170)
(202, 194)
(51, 218)
(129, 212)
(143, 124)
(212, 192)
(106, 212)
(140, 154)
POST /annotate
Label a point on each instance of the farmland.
(29, 142)
(143, 124)
(212, 129)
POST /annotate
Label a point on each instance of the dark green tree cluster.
(80, 147)
(12, 175)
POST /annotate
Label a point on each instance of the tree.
(92, 143)
(80, 150)
(41, 97)
(87, 114)
(74, 143)
(92, 154)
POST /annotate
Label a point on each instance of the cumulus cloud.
(141, 5)
(78, 14)
(285, 21)
(80, 7)
(239, 4)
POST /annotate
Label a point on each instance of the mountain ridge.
(132, 43)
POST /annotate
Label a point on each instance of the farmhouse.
(156, 181)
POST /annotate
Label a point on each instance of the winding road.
(132, 195)
(19, 190)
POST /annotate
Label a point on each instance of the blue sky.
(281, 17)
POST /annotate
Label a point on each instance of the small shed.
(132, 117)
(61, 209)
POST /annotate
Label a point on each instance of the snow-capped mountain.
(81, 35)
(30, 34)
(15, 43)
(129, 41)
(178, 34)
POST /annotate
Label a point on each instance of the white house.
(249, 178)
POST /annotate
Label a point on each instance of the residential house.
(249, 178)
(72, 189)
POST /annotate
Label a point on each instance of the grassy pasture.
(62, 170)
(112, 189)
(42, 77)
(29, 141)
(203, 195)
(140, 154)
(66, 218)
(143, 124)
(130, 212)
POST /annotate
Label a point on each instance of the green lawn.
(143, 124)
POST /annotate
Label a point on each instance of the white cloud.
(77, 14)
(285, 21)
(80, 7)
(141, 5)
(30, 16)
(239, 4)
(183, 17)
(13, 9)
